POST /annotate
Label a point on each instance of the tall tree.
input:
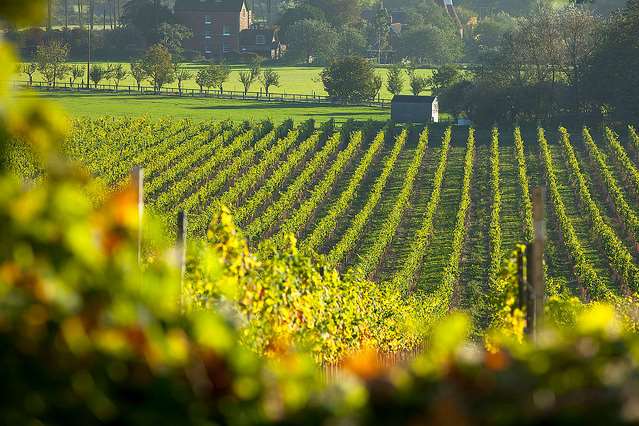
(220, 74)
(395, 79)
(51, 58)
(91, 13)
(578, 29)
(181, 75)
(611, 72)
(158, 66)
(138, 73)
(381, 27)
(350, 79)
(29, 69)
(80, 9)
(269, 78)
(311, 39)
(49, 14)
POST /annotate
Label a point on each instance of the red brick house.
(216, 24)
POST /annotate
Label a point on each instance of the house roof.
(210, 5)
(410, 99)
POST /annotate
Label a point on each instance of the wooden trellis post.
(137, 178)
(180, 251)
(535, 266)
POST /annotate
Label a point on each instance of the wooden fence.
(196, 93)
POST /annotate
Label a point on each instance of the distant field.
(302, 80)
(97, 105)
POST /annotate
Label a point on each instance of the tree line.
(555, 64)
(157, 66)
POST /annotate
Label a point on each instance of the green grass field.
(96, 105)
(302, 80)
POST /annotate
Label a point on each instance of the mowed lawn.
(96, 105)
(297, 80)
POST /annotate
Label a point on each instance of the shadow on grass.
(215, 103)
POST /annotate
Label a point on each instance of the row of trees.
(442, 78)
(157, 67)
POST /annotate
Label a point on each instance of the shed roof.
(209, 5)
(410, 99)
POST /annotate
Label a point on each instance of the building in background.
(216, 25)
(415, 109)
(262, 41)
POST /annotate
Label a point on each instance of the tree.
(80, 9)
(172, 36)
(610, 74)
(578, 27)
(204, 78)
(146, 16)
(158, 66)
(378, 81)
(181, 75)
(250, 76)
(297, 13)
(49, 14)
(138, 73)
(381, 28)
(444, 77)
(51, 58)
(339, 13)
(310, 40)
(395, 79)
(97, 73)
(246, 78)
(455, 99)
(351, 41)
(77, 71)
(350, 79)
(117, 73)
(29, 69)
(66, 14)
(489, 32)
(220, 74)
(430, 45)
(269, 78)
(417, 83)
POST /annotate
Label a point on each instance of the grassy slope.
(97, 105)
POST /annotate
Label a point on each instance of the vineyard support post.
(137, 178)
(180, 250)
(535, 266)
(522, 283)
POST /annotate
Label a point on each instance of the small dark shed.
(415, 109)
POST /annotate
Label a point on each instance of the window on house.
(225, 47)
(226, 30)
(259, 39)
(207, 33)
(208, 20)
